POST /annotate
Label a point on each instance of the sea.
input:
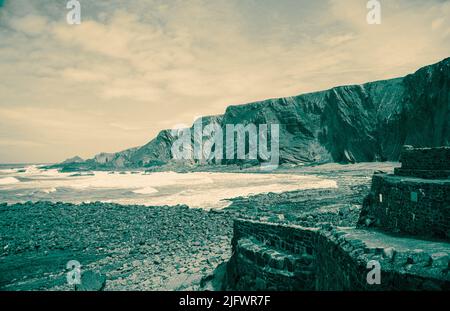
(205, 190)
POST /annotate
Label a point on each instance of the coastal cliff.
(346, 124)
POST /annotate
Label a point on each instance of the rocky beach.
(134, 247)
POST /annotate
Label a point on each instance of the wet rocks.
(440, 260)
(129, 245)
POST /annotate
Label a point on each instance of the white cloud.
(437, 23)
(19, 143)
(135, 66)
(83, 75)
(31, 24)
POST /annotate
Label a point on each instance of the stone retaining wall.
(425, 158)
(429, 163)
(412, 206)
(270, 256)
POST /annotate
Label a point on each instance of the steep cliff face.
(357, 123)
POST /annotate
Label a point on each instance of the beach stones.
(91, 282)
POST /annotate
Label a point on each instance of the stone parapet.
(412, 206)
(426, 174)
(268, 256)
(425, 162)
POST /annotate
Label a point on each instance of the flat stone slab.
(410, 179)
(377, 239)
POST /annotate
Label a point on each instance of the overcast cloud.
(134, 67)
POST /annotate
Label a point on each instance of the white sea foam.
(197, 189)
(146, 190)
(49, 190)
(217, 197)
(9, 181)
(32, 169)
(137, 181)
(9, 171)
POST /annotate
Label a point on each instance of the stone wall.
(426, 158)
(425, 162)
(270, 257)
(292, 258)
(413, 202)
(342, 260)
(417, 207)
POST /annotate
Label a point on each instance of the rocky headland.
(346, 124)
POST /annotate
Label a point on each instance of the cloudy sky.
(134, 67)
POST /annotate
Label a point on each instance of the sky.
(135, 67)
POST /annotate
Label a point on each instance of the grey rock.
(440, 260)
(91, 281)
(389, 253)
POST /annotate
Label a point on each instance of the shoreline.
(136, 247)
